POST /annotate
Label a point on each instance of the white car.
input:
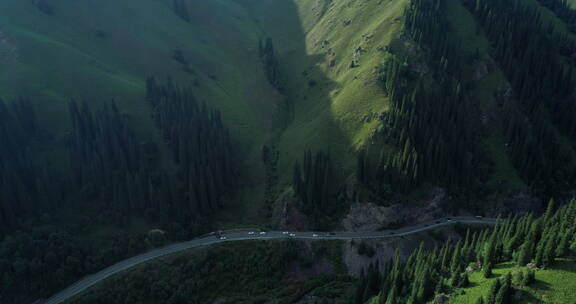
(285, 232)
(314, 235)
(222, 237)
(262, 233)
(251, 232)
(478, 216)
(292, 234)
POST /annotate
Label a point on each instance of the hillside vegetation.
(468, 266)
(555, 284)
(128, 124)
(234, 273)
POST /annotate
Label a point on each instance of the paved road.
(93, 279)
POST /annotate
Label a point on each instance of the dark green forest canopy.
(104, 168)
(433, 121)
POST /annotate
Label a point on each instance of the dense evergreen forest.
(563, 10)
(317, 187)
(540, 114)
(226, 274)
(431, 122)
(530, 242)
(103, 167)
(200, 146)
(434, 124)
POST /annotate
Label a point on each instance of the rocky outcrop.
(370, 217)
(356, 57)
(8, 50)
(441, 299)
(291, 218)
(480, 71)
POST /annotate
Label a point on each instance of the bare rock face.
(356, 57)
(292, 218)
(8, 50)
(370, 217)
(521, 202)
(441, 299)
(480, 71)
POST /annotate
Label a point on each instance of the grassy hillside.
(556, 284)
(335, 105)
(96, 51)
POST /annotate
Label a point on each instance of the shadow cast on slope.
(311, 125)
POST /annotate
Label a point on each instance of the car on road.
(478, 216)
(292, 234)
(449, 220)
(285, 232)
(314, 235)
(251, 232)
(263, 232)
(222, 237)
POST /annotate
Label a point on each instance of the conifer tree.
(503, 295)
(494, 288)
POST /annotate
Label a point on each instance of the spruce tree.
(487, 269)
(503, 295)
(525, 254)
(494, 288)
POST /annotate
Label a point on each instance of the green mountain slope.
(96, 51)
(330, 54)
(379, 100)
(332, 100)
(553, 285)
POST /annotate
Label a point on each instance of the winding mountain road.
(93, 279)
